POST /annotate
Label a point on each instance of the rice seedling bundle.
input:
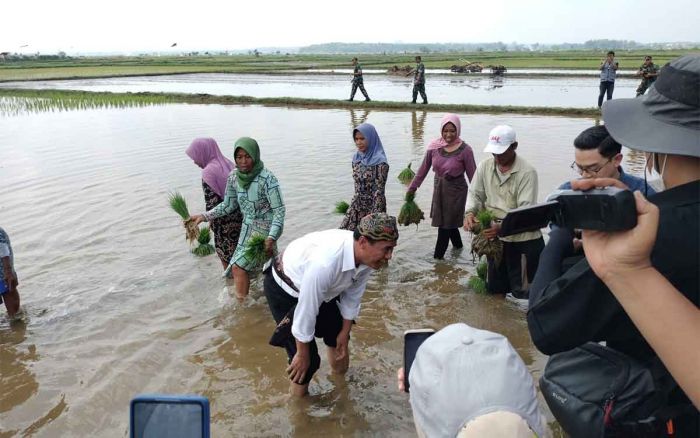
(341, 207)
(407, 175)
(481, 245)
(204, 248)
(179, 205)
(410, 212)
(477, 284)
(255, 251)
(481, 269)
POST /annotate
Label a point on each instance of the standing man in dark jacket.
(570, 308)
(608, 71)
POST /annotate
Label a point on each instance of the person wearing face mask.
(570, 308)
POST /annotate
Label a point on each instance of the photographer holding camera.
(568, 309)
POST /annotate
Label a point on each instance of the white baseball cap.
(461, 374)
(500, 139)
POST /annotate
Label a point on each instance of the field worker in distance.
(370, 169)
(253, 190)
(451, 159)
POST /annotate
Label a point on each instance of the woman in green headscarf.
(254, 190)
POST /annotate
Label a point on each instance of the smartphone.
(412, 339)
(172, 416)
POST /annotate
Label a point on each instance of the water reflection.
(17, 382)
(16, 106)
(418, 129)
(358, 117)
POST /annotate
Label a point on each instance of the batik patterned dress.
(226, 229)
(369, 193)
(263, 212)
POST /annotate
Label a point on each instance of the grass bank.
(14, 101)
(94, 67)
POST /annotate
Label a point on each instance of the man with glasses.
(598, 155)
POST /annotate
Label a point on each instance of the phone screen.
(412, 339)
(174, 419)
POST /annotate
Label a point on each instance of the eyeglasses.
(590, 170)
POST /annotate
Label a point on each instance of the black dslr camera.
(605, 209)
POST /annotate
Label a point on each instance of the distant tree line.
(601, 44)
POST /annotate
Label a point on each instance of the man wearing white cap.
(503, 182)
(467, 383)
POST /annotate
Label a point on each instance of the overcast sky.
(48, 26)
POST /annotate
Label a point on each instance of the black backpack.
(595, 391)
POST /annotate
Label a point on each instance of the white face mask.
(653, 177)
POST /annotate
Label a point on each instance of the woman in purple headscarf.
(215, 170)
(451, 158)
(369, 170)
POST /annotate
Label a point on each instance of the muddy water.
(577, 92)
(116, 305)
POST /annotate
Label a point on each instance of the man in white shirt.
(315, 287)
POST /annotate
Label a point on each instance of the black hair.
(611, 53)
(597, 137)
(418, 57)
(356, 235)
(647, 57)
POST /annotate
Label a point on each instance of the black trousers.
(444, 237)
(329, 322)
(355, 85)
(605, 86)
(508, 275)
(419, 88)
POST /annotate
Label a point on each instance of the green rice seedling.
(410, 212)
(481, 245)
(179, 205)
(341, 207)
(477, 284)
(204, 248)
(256, 250)
(407, 175)
(481, 269)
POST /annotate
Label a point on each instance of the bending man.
(315, 287)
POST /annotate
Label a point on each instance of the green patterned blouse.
(262, 207)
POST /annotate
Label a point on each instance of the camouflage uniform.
(419, 83)
(358, 82)
(646, 82)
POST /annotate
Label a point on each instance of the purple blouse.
(444, 163)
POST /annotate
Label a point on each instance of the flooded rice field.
(574, 92)
(116, 305)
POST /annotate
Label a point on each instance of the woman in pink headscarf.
(215, 170)
(451, 158)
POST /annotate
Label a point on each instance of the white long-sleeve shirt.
(322, 266)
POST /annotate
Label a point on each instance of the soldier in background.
(418, 80)
(648, 71)
(357, 81)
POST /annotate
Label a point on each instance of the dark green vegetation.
(255, 252)
(341, 207)
(410, 212)
(15, 101)
(91, 67)
(406, 175)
